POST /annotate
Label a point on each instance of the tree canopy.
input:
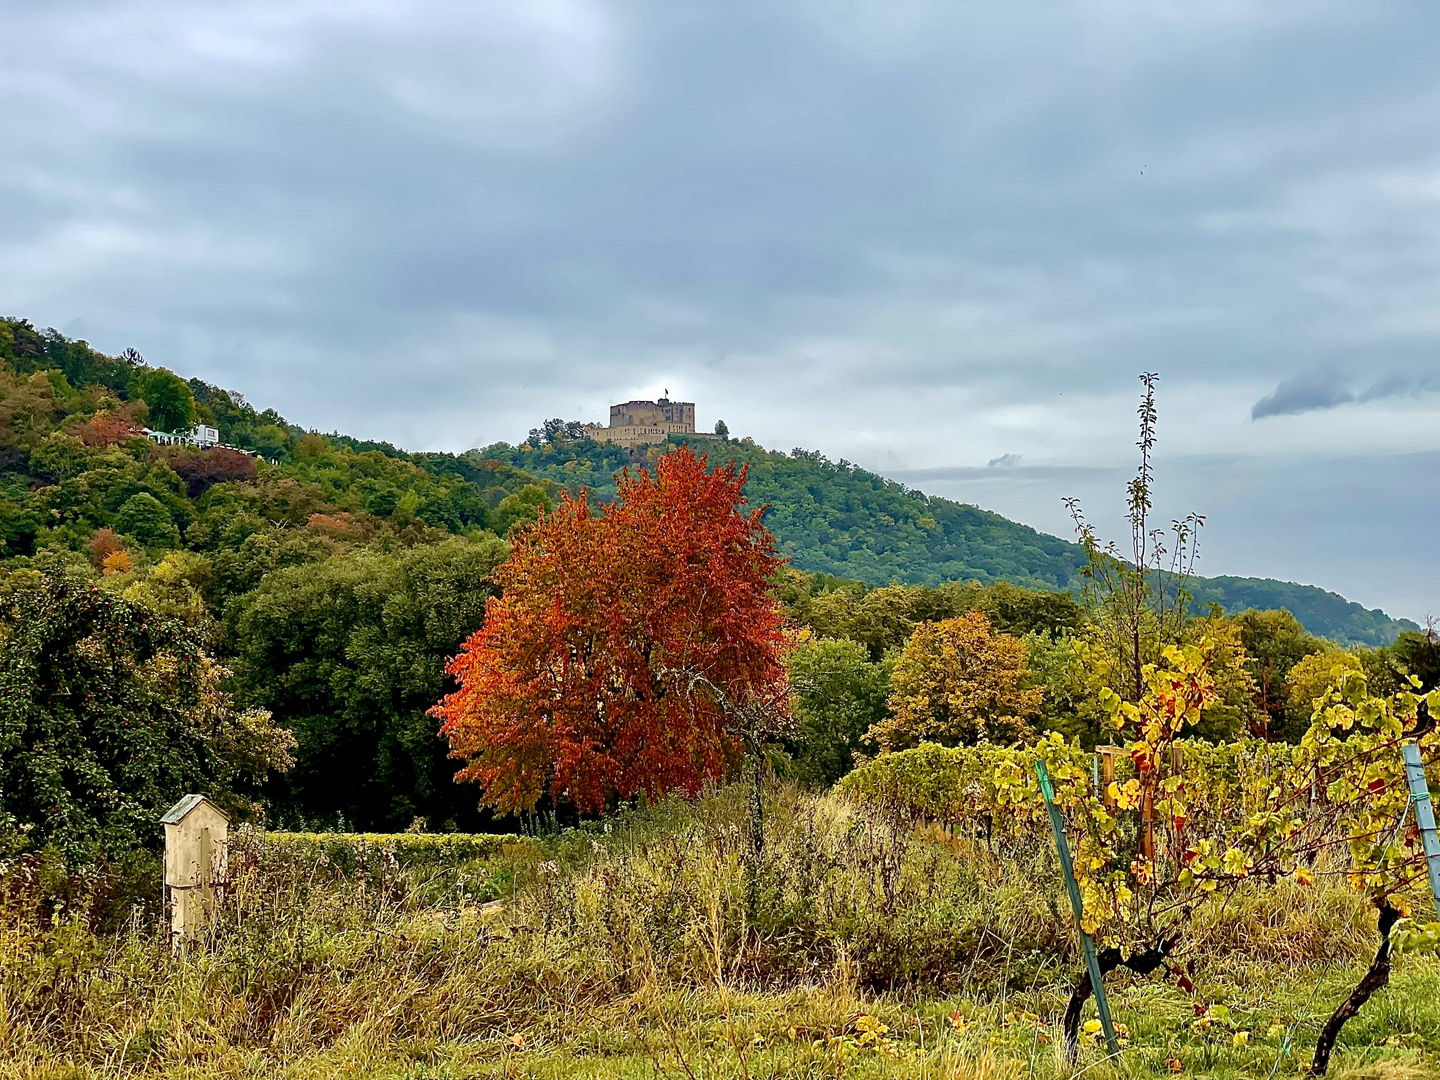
(620, 644)
(109, 712)
(957, 683)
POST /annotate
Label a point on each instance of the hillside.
(1323, 613)
(72, 463)
(839, 519)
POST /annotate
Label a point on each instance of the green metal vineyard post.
(1096, 984)
(1424, 814)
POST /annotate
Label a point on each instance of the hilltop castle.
(637, 422)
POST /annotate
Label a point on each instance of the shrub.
(203, 469)
(145, 518)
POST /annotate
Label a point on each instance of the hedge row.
(349, 852)
(980, 783)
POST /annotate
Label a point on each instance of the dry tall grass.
(632, 952)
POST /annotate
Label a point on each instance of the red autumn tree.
(629, 649)
(106, 428)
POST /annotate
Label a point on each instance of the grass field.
(877, 949)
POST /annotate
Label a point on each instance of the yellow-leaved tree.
(957, 683)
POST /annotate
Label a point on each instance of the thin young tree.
(1139, 597)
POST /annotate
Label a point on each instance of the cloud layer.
(1325, 389)
(916, 234)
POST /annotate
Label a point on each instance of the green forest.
(830, 518)
(837, 519)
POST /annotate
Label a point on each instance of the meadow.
(872, 945)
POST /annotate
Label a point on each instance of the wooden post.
(1092, 963)
(1177, 766)
(1147, 818)
(1107, 773)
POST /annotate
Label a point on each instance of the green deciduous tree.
(1275, 642)
(350, 652)
(1419, 653)
(522, 508)
(145, 518)
(108, 714)
(838, 694)
(168, 397)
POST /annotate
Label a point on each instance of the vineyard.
(1187, 823)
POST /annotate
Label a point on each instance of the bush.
(145, 518)
(108, 713)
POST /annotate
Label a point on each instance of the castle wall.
(635, 434)
(634, 423)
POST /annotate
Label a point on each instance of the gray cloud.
(1399, 386)
(884, 229)
(1303, 393)
(1326, 388)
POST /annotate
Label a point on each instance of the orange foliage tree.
(107, 427)
(633, 649)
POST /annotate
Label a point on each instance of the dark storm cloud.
(1325, 389)
(1304, 393)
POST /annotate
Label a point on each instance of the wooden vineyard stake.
(1424, 815)
(1091, 962)
(1147, 817)
(1177, 766)
(1106, 755)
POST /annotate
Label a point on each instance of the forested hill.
(833, 517)
(839, 519)
(75, 476)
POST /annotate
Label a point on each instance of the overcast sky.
(938, 239)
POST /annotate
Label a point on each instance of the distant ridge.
(1320, 611)
(833, 517)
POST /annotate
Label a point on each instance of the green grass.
(630, 954)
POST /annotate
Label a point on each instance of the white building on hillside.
(203, 436)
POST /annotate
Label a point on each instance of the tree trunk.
(1109, 959)
(1377, 977)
